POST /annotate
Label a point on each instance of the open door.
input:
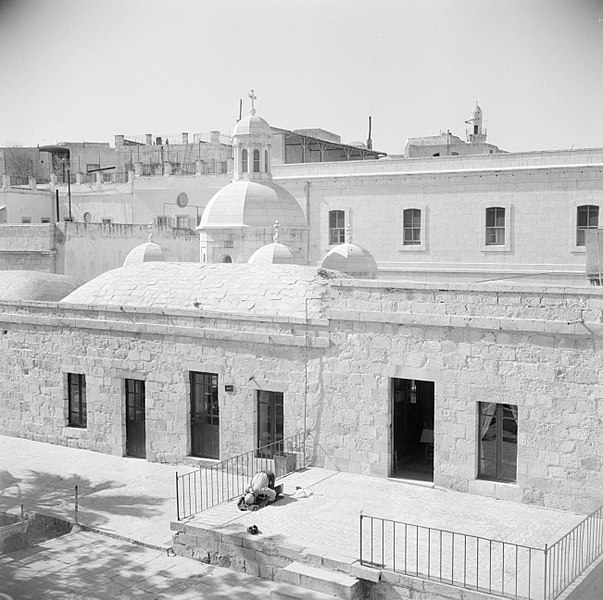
(412, 429)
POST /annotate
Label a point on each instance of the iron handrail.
(541, 572)
(206, 487)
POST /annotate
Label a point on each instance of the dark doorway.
(135, 418)
(205, 415)
(412, 429)
(270, 423)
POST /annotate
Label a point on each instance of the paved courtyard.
(134, 500)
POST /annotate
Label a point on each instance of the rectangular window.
(182, 222)
(412, 227)
(587, 218)
(45, 220)
(163, 221)
(336, 227)
(497, 441)
(495, 226)
(106, 221)
(76, 393)
(25, 219)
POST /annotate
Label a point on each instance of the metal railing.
(209, 486)
(570, 556)
(501, 568)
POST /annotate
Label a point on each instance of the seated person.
(261, 491)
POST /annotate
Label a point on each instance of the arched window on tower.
(244, 161)
(266, 166)
(256, 161)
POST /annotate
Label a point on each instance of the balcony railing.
(209, 486)
(500, 568)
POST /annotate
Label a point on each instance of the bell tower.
(252, 147)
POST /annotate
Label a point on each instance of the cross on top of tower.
(253, 99)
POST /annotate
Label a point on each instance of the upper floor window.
(45, 220)
(256, 161)
(587, 218)
(25, 219)
(497, 441)
(266, 164)
(76, 394)
(244, 161)
(163, 221)
(336, 227)
(412, 227)
(495, 226)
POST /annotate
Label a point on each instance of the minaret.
(251, 138)
(475, 131)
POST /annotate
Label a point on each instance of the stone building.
(488, 389)
(446, 144)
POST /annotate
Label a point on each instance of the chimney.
(214, 137)
(148, 139)
(369, 141)
(185, 138)
(119, 141)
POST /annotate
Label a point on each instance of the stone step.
(333, 583)
(286, 591)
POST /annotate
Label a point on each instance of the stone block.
(366, 573)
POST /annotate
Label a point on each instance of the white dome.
(252, 125)
(252, 204)
(277, 254)
(149, 252)
(351, 259)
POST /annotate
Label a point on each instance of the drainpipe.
(307, 190)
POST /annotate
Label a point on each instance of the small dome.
(252, 204)
(149, 252)
(35, 286)
(277, 254)
(351, 259)
(252, 125)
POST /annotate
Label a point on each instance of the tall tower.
(252, 147)
(476, 132)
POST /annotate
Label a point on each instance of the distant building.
(446, 144)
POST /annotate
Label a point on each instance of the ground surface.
(135, 500)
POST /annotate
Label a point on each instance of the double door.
(205, 415)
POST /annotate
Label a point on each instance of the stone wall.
(28, 247)
(85, 250)
(537, 348)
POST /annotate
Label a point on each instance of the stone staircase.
(297, 573)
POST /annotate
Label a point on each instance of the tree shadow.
(91, 566)
(55, 494)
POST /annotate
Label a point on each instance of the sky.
(85, 70)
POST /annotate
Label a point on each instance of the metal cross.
(253, 99)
